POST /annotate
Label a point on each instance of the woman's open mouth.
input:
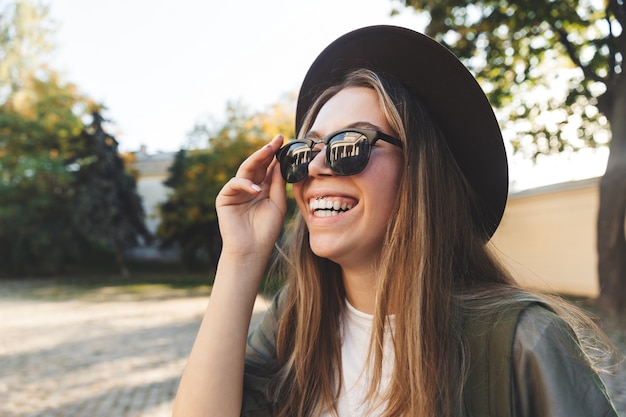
(323, 206)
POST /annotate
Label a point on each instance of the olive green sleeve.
(261, 363)
(552, 376)
(487, 391)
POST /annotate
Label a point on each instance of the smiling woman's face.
(347, 216)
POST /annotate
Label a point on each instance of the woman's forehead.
(350, 107)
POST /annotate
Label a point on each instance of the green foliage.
(25, 40)
(35, 217)
(524, 52)
(188, 217)
(35, 186)
(106, 207)
(64, 192)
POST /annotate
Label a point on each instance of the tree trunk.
(120, 259)
(611, 233)
(611, 241)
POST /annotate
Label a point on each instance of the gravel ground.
(116, 354)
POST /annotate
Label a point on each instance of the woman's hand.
(251, 207)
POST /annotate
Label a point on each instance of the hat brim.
(443, 85)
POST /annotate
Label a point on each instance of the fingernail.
(256, 188)
(279, 136)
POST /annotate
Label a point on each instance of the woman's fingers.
(255, 171)
(238, 184)
(251, 206)
(277, 191)
(255, 166)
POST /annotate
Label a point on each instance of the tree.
(36, 231)
(25, 34)
(510, 46)
(35, 118)
(63, 186)
(188, 217)
(106, 206)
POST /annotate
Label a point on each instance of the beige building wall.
(152, 191)
(548, 237)
(153, 171)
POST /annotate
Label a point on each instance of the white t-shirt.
(356, 329)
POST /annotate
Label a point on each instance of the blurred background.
(121, 120)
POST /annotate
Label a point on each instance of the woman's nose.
(318, 165)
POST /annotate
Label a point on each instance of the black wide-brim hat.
(442, 84)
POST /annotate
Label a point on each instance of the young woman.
(394, 305)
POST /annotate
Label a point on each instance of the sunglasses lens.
(294, 161)
(348, 153)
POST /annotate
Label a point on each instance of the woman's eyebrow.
(364, 125)
(361, 125)
(313, 135)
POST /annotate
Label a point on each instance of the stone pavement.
(109, 357)
(112, 355)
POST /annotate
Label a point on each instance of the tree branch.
(571, 52)
(618, 10)
(611, 38)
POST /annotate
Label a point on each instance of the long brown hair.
(434, 255)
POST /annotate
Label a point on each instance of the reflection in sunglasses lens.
(295, 164)
(348, 155)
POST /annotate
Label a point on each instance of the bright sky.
(160, 66)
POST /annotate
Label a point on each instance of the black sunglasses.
(347, 152)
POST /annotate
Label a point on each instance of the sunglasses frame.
(371, 135)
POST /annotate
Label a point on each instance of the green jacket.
(523, 363)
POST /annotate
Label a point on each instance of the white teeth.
(325, 207)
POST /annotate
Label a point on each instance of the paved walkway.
(92, 357)
(107, 356)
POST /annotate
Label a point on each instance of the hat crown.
(442, 84)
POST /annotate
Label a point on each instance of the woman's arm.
(251, 208)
